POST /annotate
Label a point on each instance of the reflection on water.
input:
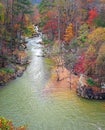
(25, 101)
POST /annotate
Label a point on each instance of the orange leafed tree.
(68, 33)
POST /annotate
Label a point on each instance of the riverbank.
(15, 67)
(67, 81)
(90, 92)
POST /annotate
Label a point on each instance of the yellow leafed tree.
(89, 61)
(68, 33)
(97, 36)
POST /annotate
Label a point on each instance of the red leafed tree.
(51, 28)
(79, 66)
(51, 13)
(91, 15)
(86, 62)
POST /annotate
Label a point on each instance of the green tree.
(100, 19)
(12, 13)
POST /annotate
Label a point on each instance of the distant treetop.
(35, 1)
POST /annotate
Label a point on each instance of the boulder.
(88, 93)
(19, 73)
(2, 83)
(22, 60)
(85, 92)
(13, 76)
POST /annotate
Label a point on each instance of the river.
(24, 101)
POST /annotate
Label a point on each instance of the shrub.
(46, 41)
(6, 70)
(6, 124)
(90, 82)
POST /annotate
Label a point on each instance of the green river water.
(26, 101)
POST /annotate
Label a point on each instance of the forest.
(78, 28)
(73, 35)
(15, 24)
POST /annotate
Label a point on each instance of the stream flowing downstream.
(25, 102)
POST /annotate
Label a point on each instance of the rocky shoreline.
(85, 91)
(88, 93)
(6, 77)
(16, 71)
(15, 67)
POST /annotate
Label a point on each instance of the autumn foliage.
(51, 28)
(79, 65)
(51, 25)
(91, 15)
(6, 124)
(68, 33)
